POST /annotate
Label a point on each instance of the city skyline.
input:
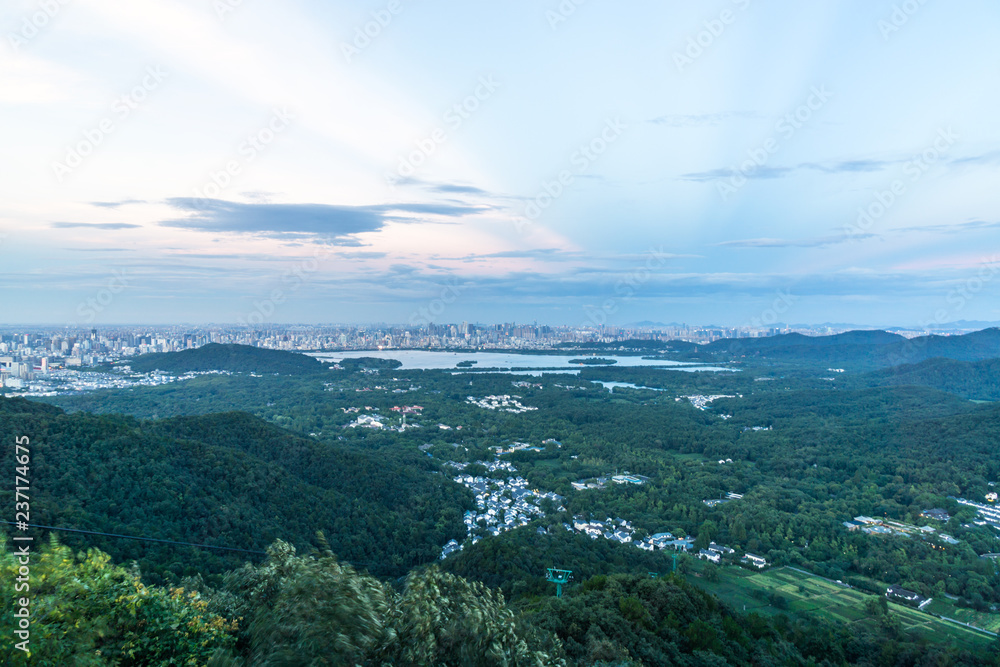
(572, 163)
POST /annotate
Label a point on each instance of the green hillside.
(229, 480)
(853, 350)
(232, 358)
(978, 380)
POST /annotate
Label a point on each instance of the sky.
(583, 162)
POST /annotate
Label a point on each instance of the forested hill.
(855, 350)
(228, 480)
(233, 358)
(970, 379)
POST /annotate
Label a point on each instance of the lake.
(505, 361)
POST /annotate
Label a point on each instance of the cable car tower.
(559, 577)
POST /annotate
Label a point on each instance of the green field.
(979, 619)
(691, 456)
(810, 595)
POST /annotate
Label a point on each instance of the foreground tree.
(445, 620)
(86, 611)
(313, 610)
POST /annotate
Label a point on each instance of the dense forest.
(255, 455)
(229, 480)
(979, 380)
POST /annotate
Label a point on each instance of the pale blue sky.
(565, 166)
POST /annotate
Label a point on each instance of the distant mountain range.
(855, 350)
(958, 325)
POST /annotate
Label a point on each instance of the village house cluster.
(715, 552)
(56, 381)
(899, 593)
(503, 402)
(366, 421)
(712, 502)
(378, 422)
(601, 482)
(701, 402)
(988, 514)
(618, 530)
(665, 541)
(501, 505)
(517, 447)
(873, 526)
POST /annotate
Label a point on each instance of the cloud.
(454, 188)
(259, 196)
(566, 288)
(952, 228)
(992, 157)
(403, 269)
(548, 253)
(852, 166)
(689, 120)
(333, 223)
(766, 172)
(447, 210)
(363, 254)
(100, 249)
(116, 204)
(94, 225)
(720, 174)
(815, 242)
(443, 188)
(830, 167)
(545, 254)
